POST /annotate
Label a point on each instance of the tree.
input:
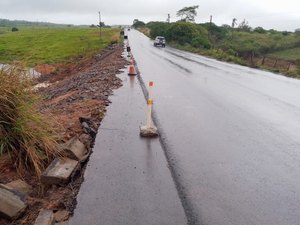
(137, 23)
(285, 33)
(14, 29)
(158, 29)
(226, 26)
(233, 22)
(101, 24)
(216, 33)
(184, 33)
(243, 26)
(168, 18)
(260, 30)
(188, 14)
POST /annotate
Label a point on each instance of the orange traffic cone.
(132, 71)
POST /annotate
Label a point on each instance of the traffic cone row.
(149, 130)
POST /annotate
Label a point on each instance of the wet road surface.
(231, 135)
(127, 180)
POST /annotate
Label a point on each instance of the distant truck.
(160, 41)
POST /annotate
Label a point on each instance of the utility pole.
(209, 30)
(168, 19)
(100, 24)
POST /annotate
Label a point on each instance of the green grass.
(4, 30)
(243, 42)
(288, 54)
(39, 45)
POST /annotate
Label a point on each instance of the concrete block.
(74, 149)
(12, 203)
(59, 171)
(61, 216)
(45, 217)
(19, 185)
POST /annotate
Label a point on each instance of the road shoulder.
(127, 179)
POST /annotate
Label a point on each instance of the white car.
(160, 41)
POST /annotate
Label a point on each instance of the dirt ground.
(73, 92)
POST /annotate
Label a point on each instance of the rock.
(74, 149)
(85, 125)
(12, 203)
(59, 171)
(85, 139)
(61, 216)
(85, 119)
(20, 185)
(45, 217)
(88, 129)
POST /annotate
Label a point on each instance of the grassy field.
(33, 46)
(243, 42)
(288, 54)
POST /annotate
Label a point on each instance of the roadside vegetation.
(27, 138)
(239, 43)
(287, 54)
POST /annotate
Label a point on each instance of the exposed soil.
(77, 90)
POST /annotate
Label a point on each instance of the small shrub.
(285, 33)
(114, 39)
(231, 52)
(14, 29)
(200, 42)
(294, 73)
(145, 31)
(26, 136)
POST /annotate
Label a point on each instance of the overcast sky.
(276, 14)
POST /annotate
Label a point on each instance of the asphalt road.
(127, 180)
(231, 135)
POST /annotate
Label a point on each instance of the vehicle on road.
(160, 41)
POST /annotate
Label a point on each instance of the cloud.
(283, 15)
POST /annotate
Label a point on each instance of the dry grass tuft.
(26, 136)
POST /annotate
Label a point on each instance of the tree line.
(236, 39)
